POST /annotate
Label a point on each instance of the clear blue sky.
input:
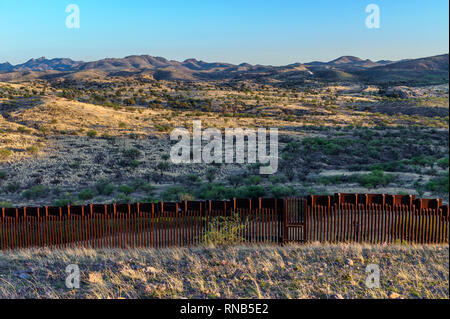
(276, 32)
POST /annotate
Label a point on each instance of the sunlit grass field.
(269, 271)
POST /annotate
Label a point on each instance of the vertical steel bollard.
(285, 222)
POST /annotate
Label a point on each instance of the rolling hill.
(431, 70)
(346, 68)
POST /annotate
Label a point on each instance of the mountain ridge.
(345, 68)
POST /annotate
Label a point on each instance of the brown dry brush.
(233, 271)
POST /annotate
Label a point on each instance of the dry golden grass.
(19, 140)
(297, 271)
(51, 116)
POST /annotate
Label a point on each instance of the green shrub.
(4, 153)
(126, 189)
(215, 191)
(22, 129)
(278, 179)
(282, 191)
(132, 153)
(235, 180)
(68, 199)
(224, 231)
(253, 180)
(36, 192)
(5, 204)
(253, 191)
(332, 179)
(134, 163)
(162, 128)
(124, 199)
(130, 158)
(103, 187)
(327, 146)
(292, 147)
(394, 166)
(148, 199)
(192, 179)
(147, 187)
(140, 184)
(92, 133)
(32, 149)
(373, 179)
(443, 163)
(211, 174)
(86, 194)
(162, 167)
(2, 175)
(175, 193)
(438, 185)
(12, 187)
(423, 160)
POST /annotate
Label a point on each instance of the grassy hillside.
(313, 271)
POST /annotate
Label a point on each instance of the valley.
(75, 132)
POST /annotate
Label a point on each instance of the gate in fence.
(372, 218)
(294, 220)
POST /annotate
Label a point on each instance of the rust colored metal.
(370, 218)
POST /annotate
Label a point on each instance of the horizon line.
(200, 60)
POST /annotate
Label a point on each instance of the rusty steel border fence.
(362, 218)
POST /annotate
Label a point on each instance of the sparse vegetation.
(38, 191)
(126, 189)
(333, 137)
(4, 153)
(86, 194)
(92, 133)
(292, 271)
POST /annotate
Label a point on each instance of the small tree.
(211, 175)
(162, 167)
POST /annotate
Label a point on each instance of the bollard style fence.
(368, 218)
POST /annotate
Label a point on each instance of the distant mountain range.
(346, 68)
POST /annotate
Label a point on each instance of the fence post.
(202, 223)
(305, 221)
(285, 222)
(182, 229)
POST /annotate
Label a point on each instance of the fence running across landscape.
(369, 218)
